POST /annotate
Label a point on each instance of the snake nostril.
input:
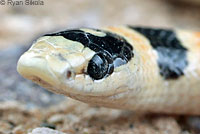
(69, 74)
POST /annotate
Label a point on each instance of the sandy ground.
(25, 106)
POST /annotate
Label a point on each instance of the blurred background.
(21, 24)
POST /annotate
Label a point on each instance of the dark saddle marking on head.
(111, 50)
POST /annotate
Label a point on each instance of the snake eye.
(98, 66)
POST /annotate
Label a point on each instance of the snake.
(142, 69)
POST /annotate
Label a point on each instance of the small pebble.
(52, 126)
(44, 130)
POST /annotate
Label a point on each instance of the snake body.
(125, 67)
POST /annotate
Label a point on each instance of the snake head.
(82, 62)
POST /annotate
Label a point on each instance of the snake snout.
(35, 68)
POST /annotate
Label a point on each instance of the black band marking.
(111, 50)
(172, 55)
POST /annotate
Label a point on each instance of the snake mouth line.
(38, 80)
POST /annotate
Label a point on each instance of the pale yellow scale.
(59, 65)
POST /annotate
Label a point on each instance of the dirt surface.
(25, 106)
(73, 117)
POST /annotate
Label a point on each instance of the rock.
(43, 130)
(18, 130)
(58, 118)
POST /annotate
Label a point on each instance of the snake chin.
(112, 101)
